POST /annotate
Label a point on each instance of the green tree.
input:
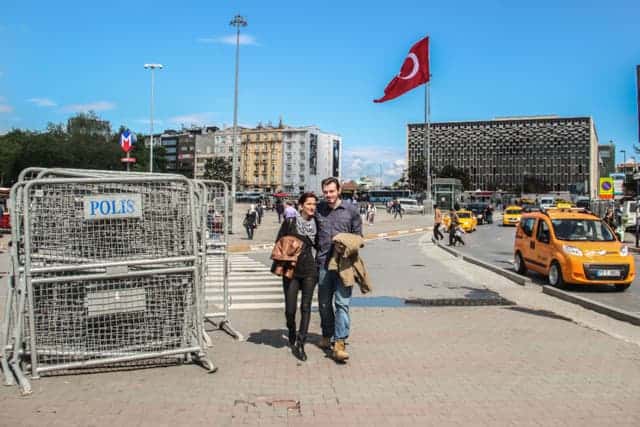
(417, 176)
(450, 171)
(218, 168)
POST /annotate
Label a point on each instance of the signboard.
(618, 184)
(112, 206)
(127, 139)
(606, 188)
(128, 160)
(336, 159)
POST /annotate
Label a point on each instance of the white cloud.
(5, 108)
(245, 39)
(359, 162)
(197, 119)
(42, 102)
(92, 106)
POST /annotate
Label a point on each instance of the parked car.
(409, 206)
(571, 245)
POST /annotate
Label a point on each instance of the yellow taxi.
(572, 246)
(511, 215)
(468, 221)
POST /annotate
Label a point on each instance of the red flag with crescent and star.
(414, 72)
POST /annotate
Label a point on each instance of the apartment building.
(261, 157)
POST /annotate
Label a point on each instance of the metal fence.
(106, 268)
(213, 199)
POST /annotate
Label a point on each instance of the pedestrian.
(305, 275)
(334, 297)
(280, 210)
(371, 213)
(437, 220)
(397, 209)
(290, 211)
(260, 212)
(457, 235)
(453, 224)
(250, 220)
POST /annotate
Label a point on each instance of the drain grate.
(458, 302)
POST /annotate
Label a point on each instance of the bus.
(385, 196)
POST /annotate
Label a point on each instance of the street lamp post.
(152, 67)
(237, 21)
(624, 160)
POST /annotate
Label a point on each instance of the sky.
(321, 63)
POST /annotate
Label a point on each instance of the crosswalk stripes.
(252, 286)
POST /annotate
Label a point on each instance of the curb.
(601, 308)
(512, 276)
(243, 248)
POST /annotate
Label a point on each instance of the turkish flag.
(414, 72)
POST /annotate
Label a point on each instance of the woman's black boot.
(292, 336)
(300, 349)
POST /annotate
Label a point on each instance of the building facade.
(261, 158)
(559, 154)
(309, 156)
(607, 159)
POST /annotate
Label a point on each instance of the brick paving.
(410, 366)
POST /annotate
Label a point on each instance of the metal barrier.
(214, 204)
(104, 270)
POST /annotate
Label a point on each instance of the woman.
(305, 275)
(250, 221)
(371, 213)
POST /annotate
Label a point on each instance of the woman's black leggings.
(291, 288)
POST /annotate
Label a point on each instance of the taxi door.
(543, 250)
(525, 241)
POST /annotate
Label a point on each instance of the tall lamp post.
(238, 21)
(152, 67)
(624, 160)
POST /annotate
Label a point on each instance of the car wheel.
(518, 264)
(555, 276)
(622, 288)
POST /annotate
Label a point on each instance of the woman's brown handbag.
(285, 254)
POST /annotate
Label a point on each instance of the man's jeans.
(333, 325)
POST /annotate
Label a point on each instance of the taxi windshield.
(513, 212)
(589, 230)
(464, 215)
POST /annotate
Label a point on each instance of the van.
(572, 246)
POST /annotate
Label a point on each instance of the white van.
(547, 202)
(629, 214)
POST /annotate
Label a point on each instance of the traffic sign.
(606, 188)
(127, 139)
(128, 160)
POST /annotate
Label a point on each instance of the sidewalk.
(431, 366)
(266, 232)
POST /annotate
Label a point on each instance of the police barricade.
(105, 270)
(214, 207)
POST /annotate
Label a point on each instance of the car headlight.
(571, 250)
(624, 251)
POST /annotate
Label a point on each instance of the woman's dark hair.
(305, 196)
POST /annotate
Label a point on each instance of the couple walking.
(316, 227)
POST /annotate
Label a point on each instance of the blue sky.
(321, 63)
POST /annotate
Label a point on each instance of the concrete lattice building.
(501, 154)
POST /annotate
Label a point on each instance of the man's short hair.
(331, 180)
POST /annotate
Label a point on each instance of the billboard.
(605, 189)
(618, 184)
(313, 154)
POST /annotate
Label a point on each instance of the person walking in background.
(250, 220)
(397, 209)
(290, 211)
(260, 212)
(452, 227)
(371, 213)
(457, 235)
(437, 220)
(280, 210)
(305, 275)
(334, 297)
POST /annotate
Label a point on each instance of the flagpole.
(427, 124)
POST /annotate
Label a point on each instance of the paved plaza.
(541, 362)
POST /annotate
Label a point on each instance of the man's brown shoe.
(339, 353)
(325, 343)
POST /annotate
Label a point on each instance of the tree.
(450, 171)
(218, 168)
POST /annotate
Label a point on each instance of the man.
(397, 209)
(279, 210)
(260, 211)
(437, 220)
(334, 297)
(452, 227)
